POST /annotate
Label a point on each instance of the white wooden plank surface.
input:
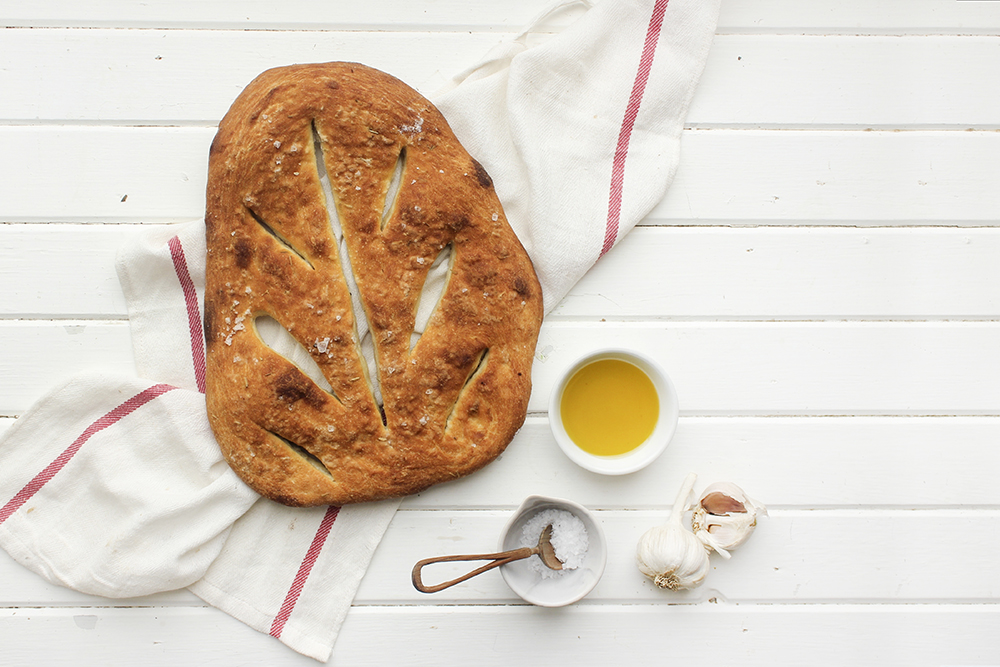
(159, 76)
(383, 15)
(857, 178)
(794, 273)
(788, 462)
(802, 273)
(117, 174)
(771, 16)
(61, 270)
(764, 570)
(65, 348)
(860, 17)
(767, 569)
(820, 282)
(139, 174)
(741, 368)
(752, 635)
(138, 76)
(851, 81)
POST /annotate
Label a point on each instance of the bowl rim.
(651, 448)
(535, 503)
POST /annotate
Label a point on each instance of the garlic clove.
(671, 555)
(719, 503)
(725, 497)
(725, 517)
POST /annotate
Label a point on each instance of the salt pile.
(569, 539)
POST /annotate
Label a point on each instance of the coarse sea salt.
(569, 539)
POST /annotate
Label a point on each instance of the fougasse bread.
(452, 401)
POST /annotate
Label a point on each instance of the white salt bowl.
(567, 586)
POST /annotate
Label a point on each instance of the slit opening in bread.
(305, 454)
(431, 293)
(324, 182)
(278, 237)
(476, 368)
(278, 338)
(361, 333)
(392, 194)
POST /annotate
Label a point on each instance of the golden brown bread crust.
(453, 402)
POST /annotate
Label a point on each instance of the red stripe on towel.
(319, 539)
(631, 112)
(194, 317)
(111, 418)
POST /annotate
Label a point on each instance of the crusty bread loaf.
(452, 403)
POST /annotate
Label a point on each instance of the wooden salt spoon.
(544, 549)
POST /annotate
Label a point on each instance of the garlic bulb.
(725, 517)
(670, 554)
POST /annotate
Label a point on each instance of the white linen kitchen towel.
(581, 135)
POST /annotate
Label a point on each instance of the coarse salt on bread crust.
(452, 403)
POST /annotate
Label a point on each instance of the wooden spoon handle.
(498, 559)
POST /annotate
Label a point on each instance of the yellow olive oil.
(609, 407)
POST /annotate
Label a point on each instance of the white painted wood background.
(821, 282)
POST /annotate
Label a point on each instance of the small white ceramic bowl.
(568, 586)
(650, 449)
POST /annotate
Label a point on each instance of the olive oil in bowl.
(609, 407)
(613, 412)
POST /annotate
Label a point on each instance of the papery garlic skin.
(725, 517)
(671, 555)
